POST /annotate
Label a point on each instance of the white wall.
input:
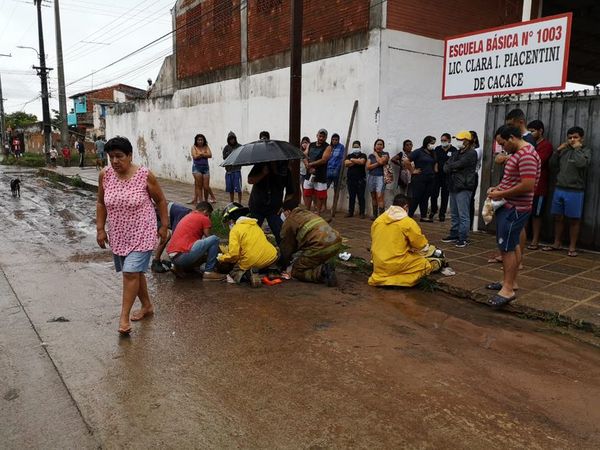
(162, 129)
(401, 79)
(411, 101)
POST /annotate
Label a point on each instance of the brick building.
(90, 107)
(230, 71)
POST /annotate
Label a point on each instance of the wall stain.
(141, 147)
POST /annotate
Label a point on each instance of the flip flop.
(124, 332)
(498, 301)
(572, 253)
(495, 259)
(551, 248)
(533, 247)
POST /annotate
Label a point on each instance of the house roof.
(117, 87)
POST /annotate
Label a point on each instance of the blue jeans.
(208, 246)
(459, 208)
(274, 221)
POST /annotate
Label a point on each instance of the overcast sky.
(94, 33)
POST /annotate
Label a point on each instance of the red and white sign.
(523, 57)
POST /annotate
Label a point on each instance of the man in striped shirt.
(521, 174)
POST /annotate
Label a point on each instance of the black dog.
(15, 187)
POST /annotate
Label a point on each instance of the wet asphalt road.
(291, 366)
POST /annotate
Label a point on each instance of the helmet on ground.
(234, 211)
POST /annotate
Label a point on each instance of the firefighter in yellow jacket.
(401, 254)
(308, 242)
(249, 250)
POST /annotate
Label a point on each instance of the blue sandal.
(498, 301)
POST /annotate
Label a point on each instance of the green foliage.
(427, 285)
(76, 181)
(218, 227)
(27, 160)
(19, 119)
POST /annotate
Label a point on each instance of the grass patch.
(76, 181)
(27, 160)
(427, 285)
(218, 227)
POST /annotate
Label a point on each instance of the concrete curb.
(514, 308)
(67, 179)
(523, 310)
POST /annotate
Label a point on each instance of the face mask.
(282, 216)
(461, 144)
(430, 147)
(445, 144)
(356, 150)
(231, 224)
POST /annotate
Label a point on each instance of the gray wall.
(558, 113)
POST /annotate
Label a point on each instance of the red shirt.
(544, 150)
(189, 230)
(522, 164)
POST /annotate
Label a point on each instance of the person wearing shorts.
(233, 174)
(315, 183)
(521, 174)
(375, 183)
(571, 159)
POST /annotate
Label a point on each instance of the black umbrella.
(262, 151)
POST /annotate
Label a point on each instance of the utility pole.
(62, 95)
(2, 125)
(43, 73)
(296, 88)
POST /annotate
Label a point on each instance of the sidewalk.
(553, 286)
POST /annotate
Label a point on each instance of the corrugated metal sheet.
(558, 114)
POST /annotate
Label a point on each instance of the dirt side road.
(291, 366)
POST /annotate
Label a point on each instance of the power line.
(104, 30)
(83, 51)
(150, 44)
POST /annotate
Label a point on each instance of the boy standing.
(544, 149)
(571, 159)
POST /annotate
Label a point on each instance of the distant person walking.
(127, 194)
(100, 155)
(81, 150)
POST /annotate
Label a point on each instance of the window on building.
(266, 6)
(222, 16)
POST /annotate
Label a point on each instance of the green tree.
(19, 119)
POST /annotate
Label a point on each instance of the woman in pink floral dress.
(125, 195)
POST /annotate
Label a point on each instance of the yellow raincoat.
(396, 239)
(248, 246)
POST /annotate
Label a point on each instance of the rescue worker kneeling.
(401, 254)
(249, 248)
(308, 242)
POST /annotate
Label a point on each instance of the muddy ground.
(290, 366)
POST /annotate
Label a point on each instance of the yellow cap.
(464, 135)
